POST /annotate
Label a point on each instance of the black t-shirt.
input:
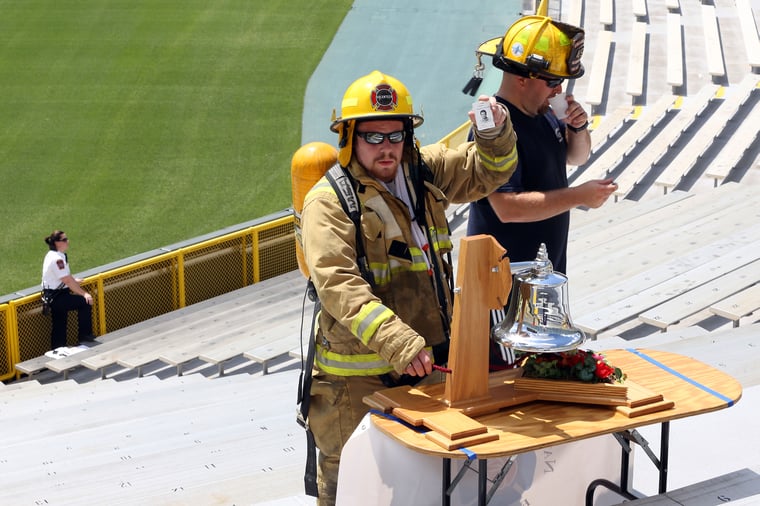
(541, 166)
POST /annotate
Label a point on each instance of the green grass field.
(134, 124)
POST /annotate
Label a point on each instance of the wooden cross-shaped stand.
(484, 280)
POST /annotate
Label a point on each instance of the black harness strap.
(439, 281)
(344, 187)
(343, 184)
(304, 397)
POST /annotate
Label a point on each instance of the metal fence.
(158, 283)
(154, 285)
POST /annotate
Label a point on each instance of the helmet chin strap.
(415, 164)
(345, 142)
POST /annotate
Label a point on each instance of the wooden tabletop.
(693, 386)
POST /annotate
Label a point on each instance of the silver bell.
(538, 317)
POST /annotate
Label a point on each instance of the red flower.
(579, 365)
(603, 370)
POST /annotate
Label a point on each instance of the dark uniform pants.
(335, 411)
(62, 304)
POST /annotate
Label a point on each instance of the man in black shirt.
(536, 55)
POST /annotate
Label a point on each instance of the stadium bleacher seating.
(675, 49)
(595, 93)
(197, 406)
(741, 139)
(607, 12)
(608, 125)
(215, 330)
(706, 132)
(713, 48)
(636, 60)
(749, 32)
(602, 166)
(636, 168)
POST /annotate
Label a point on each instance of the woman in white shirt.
(65, 290)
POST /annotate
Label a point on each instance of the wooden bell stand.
(484, 280)
(483, 283)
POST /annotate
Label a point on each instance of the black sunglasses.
(378, 138)
(551, 83)
(62, 239)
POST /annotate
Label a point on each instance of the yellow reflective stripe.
(442, 239)
(369, 319)
(441, 230)
(367, 364)
(443, 244)
(418, 260)
(381, 273)
(498, 163)
(321, 186)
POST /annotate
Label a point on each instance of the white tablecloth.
(377, 470)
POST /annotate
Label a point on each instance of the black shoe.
(86, 339)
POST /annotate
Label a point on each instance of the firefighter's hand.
(498, 111)
(421, 365)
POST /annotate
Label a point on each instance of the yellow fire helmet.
(538, 46)
(376, 96)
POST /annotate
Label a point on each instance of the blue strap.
(681, 376)
(421, 430)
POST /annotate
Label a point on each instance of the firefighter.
(536, 55)
(386, 292)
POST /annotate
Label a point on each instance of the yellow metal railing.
(147, 288)
(457, 136)
(144, 289)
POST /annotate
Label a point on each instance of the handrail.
(151, 285)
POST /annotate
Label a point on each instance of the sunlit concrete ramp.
(427, 44)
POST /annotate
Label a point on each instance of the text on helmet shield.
(384, 98)
(576, 53)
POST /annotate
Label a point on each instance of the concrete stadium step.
(740, 488)
(641, 248)
(228, 315)
(704, 447)
(264, 292)
(13, 395)
(599, 225)
(733, 351)
(183, 439)
(290, 329)
(53, 397)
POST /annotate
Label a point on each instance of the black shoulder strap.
(343, 184)
(304, 396)
(420, 174)
(344, 188)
